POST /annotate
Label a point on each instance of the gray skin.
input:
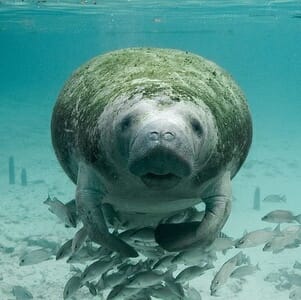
(151, 132)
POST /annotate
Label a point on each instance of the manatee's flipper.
(182, 236)
(89, 207)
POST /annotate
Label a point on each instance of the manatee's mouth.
(160, 181)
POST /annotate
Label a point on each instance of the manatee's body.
(152, 132)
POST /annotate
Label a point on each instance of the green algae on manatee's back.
(149, 73)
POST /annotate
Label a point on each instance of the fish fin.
(48, 200)
(298, 218)
(277, 230)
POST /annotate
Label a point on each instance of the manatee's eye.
(196, 126)
(126, 123)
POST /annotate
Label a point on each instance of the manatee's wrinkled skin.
(152, 132)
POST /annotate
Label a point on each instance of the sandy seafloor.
(274, 164)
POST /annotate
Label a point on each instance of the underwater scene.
(150, 149)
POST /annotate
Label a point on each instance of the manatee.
(151, 133)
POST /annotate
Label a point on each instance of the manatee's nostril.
(154, 135)
(168, 136)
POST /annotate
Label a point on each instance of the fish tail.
(298, 218)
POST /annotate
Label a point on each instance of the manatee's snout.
(160, 155)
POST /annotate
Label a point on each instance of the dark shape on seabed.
(23, 177)
(11, 170)
(256, 200)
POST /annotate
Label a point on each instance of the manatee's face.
(161, 144)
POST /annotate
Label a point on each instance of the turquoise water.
(42, 43)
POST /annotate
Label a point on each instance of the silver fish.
(79, 240)
(110, 280)
(276, 198)
(145, 279)
(243, 271)
(163, 262)
(273, 277)
(281, 216)
(96, 269)
(35, 257)
(257, 237)
(61, 211)
(175, 287)
(226, 269)
(21, 293)
(121, 292)
(279, 243)
(72, 285)
(189, 274)
(89, 253)
(145, 234)
(64, 250)
(194, 256)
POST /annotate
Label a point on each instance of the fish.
(89, 253)
(21, 293)
(175, 287)
(273, 277)
(279, 243)
(276, 198)
(190, 273)
(290, 238)
(35, 257)
(225, 271)
(145, 234)
(243, 271)
(194, 256)
(295, 294)
(146, 279)
(96, 269)
(72, 285)
(110, 280)
(78, 240)
(163, 262)
(64, 250)
(293, 278)
(257, 237)
(281, 216)
(122, 292)
(59, 209)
